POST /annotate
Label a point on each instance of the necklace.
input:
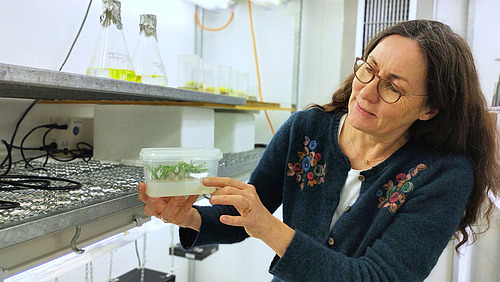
(365, 160)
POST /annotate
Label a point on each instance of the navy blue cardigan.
(408, 208)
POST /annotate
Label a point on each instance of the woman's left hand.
(254, 217)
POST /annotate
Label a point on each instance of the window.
(380, 14)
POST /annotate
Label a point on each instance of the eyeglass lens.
(387, 90)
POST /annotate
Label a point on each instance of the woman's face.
(400, 60)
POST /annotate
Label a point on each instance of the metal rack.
(49, 224)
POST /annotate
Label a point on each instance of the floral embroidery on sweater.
(308, 170)
(395, 195)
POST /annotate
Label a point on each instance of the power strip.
(79, 130)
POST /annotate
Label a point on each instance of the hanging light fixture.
(214, 4)
(269, 3)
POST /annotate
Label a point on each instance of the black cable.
(77, 35)
(50, 126)
(22, 143)
(85, 154)
(79, 152)
(9, 146)
(8, 157)
(32, 159)
(137, 254)
(51, 149)
(44, 144)
(16, 182)
(51, 146)
(36, 182)
(4, 205)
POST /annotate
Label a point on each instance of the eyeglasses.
(386, 89)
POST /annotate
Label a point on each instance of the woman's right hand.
(177, 210)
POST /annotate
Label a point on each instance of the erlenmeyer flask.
(111, 58)
(148, 63)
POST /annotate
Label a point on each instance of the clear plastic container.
(225, 79)
(243, 85)
(188, 68)
(178, 171)
(211, 78)
(235, 76)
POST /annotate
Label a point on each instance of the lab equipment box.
(121, 131)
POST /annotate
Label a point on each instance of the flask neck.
(111, 14)
(147, 25)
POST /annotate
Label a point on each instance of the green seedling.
(176, 172)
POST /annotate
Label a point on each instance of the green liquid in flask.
(120, 74)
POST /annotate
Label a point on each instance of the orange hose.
(257, 65)
(209, 28)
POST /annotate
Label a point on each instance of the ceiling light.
(214, 4)
(269, 3)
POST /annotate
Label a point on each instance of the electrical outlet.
(79, 130)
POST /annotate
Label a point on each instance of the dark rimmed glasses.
(386, 89)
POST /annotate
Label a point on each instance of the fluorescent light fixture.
(271, 3)
(214, 4)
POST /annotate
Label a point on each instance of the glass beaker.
(243, 84)
(235, 76)
(149, 67)
(225, 79)
(111, 58)
(188, 68)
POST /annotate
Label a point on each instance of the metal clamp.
(138, 220)
(73, 241)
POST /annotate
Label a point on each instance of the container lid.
(157, 154)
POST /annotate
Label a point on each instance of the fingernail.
(153, 200)
(214, 198)
(206, 181)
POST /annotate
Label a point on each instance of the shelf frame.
(53, 87)
(31, 83)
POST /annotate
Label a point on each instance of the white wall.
(275, 33)
(320, 51)
(485, 43)
(39, 33)
(478, 22)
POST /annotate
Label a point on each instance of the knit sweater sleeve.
(405, 250)
(269, 169)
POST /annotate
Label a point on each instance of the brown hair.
(463, 123)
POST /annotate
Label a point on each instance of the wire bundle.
(16, 182)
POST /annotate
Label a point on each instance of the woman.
(375, 183)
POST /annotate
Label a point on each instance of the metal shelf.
(43, 227)
(45, 224)
(32, 83)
